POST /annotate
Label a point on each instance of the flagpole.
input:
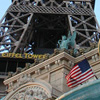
(93, 72)
(96, 77)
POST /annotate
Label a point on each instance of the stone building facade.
(46, 79)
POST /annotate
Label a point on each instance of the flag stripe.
(76, 74)
(71, 81)
(82, 75)
(77, 70)
(71, 85)
(79, 74)
(68, 76)
(77, 83)
(74, 68)
(84, 79)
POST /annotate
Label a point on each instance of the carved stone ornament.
(30, 91)
(22, 80)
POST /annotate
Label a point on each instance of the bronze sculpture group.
(68, 42)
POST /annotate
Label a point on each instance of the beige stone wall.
(58, 81)
(65, 87)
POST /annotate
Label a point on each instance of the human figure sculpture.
(68, 41)
(63, 43)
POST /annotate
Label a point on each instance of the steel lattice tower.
(35, 26)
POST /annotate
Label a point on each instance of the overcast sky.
(4, 4)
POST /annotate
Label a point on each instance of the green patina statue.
(63, 43)
(68, 41)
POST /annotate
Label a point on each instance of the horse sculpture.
(68, 41)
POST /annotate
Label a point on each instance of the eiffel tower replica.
(34, 27)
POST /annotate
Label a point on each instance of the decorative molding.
(37, 90)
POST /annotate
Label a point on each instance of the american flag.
(79, 74)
